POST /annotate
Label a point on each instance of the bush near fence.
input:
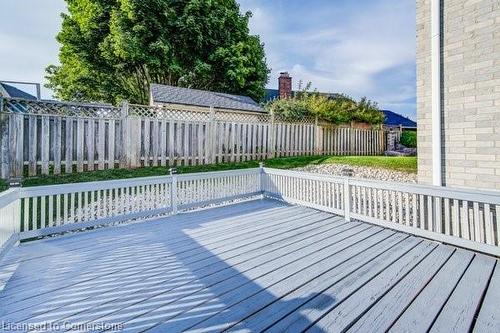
(409, 139)
(48, 137)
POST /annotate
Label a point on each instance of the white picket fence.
(465, 218)
(44, 137)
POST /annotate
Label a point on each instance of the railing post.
(347, 200)
(261, 177)
(173, 190)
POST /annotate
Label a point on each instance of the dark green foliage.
(3, 185)
(114, 49)
(409, 139)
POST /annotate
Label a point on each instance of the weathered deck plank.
(458, 313)
(253, 266)
(384, 312)
(489, 316)
(111, 300)
(166, 305)
(420, 315)
(271, 314)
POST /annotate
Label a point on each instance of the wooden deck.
(254, 266)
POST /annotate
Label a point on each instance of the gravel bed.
(362, 172)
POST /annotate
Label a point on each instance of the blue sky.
(361, 47)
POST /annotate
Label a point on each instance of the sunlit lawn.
(405, 164)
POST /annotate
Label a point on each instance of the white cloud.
(362, 48)
(27, 39)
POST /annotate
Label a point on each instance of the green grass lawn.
(405, 164)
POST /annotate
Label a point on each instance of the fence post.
(318, 137)
(272, 137)
(16, 149)
(133, 139)
(347, 200)
(125, 161)
(173, 190)
(212, 140)
(351, 136)
(4, 142)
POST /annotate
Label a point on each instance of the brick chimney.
(285, 85)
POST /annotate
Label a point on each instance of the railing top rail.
(485, 196)
(214, 174)
(305, 175)
(27, 192)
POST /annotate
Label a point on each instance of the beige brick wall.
(471, 94)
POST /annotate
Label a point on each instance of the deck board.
(253, 266)
(489, 316)
(458, 313)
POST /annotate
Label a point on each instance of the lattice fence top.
(194, 114)
(15, 105)
(198, 114)
(306, 120)
(242, 117)
(159, 112)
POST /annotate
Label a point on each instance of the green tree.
(114, 49)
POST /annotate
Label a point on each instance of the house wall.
(471, 92)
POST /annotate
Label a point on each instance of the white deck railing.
(464, 218)
(9, 219)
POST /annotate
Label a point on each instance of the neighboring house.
(177, 97)
(395, 120)
(392, 119)
(458, 92)
(7, 90)
(285, 89)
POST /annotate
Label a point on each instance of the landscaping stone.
(361, 172)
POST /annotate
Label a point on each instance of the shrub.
(409, 139)
(337, 110)
(289, 109)
(340, 109)
(367, 112)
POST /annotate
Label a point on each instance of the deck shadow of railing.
(169, 285)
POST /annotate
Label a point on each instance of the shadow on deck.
(254, 266)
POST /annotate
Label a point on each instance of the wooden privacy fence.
(461, 217)
(46, 137)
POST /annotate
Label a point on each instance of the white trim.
(436, 92)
